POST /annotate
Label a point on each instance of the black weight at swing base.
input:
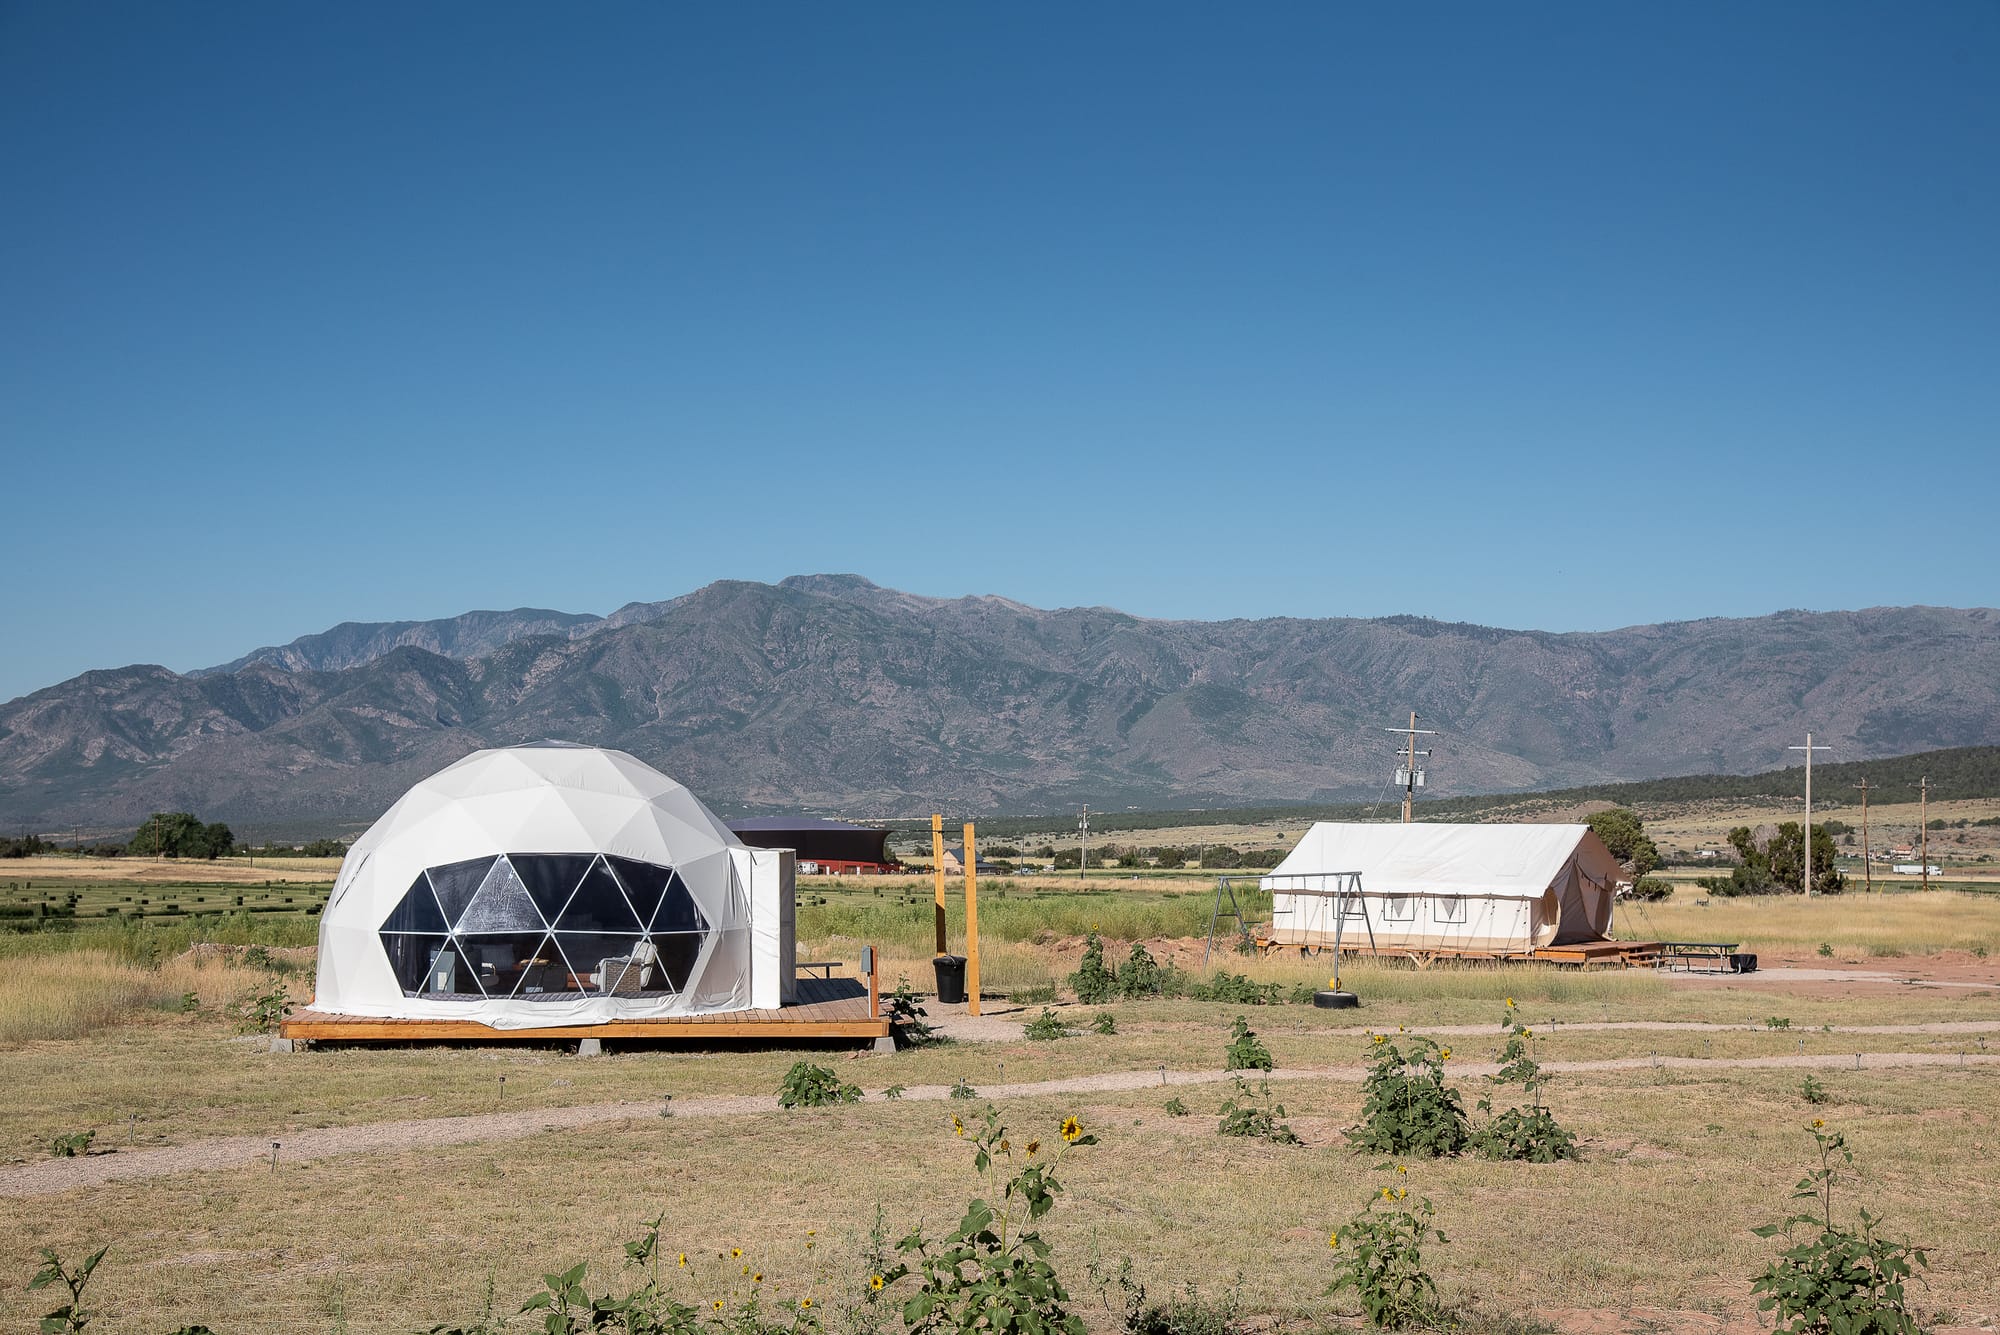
(1333, 999)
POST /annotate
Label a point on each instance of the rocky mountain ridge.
(828, 692)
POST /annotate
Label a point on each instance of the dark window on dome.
(678, 911)
(430, 966)
(643, 884)
(456, 883)
(550, 878)
(500, 905)
(418, 910)
(606, 962)
(598, 905)
(678, 954)
(517, 964)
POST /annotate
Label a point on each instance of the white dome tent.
(551, 885)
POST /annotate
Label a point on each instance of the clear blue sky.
(1557, 316)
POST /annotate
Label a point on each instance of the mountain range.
(830, 693)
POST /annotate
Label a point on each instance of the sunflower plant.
(1845, 1280)
(1530, 1134)
(992, 1273)
(1380, 1258)
(1407, 1106)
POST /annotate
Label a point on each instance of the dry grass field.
(1649, 1232)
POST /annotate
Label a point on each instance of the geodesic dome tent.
(1486, 889)
(548, 885)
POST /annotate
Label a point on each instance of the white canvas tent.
(1498, 889)
(549, 885)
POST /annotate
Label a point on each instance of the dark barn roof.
(815, 839)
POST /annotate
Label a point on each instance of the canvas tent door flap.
(1472, 889)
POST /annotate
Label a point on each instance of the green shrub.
(1842, 1281)
(1812, 1091)
(266, 1012)
(1184, 1313)
(1246, 1052)
(1650, 889)
(1175, 1108)
(1529, 1134)
(1092, 982)
(809, 1086)
(1407, 1108)
(1104, 1022)
(1046, 1027)
(907, 1017)
(68, 1147)
(992, 1273)
(1139, 975)
(71, 1316)
(1380, 1258)
(1255, 1114)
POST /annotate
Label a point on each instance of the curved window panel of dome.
(599, 905)
(455, 883)
(431, 966)
(501, 904)
(551, 878)
(517, 964)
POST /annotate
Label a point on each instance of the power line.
(1411, 775)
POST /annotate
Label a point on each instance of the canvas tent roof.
(1496, 861)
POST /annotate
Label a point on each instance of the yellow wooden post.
(937, 874)
(971, 923)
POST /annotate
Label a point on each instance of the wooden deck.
(1621, 954)
(827, 1008)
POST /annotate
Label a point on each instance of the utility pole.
(1867, 867)
(1809, 748)
(1411, 775)
(1924, 828)
(937, 876)
(1083, 846)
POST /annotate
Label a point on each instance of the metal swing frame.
(1346, 889)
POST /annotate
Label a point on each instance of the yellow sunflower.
(1333, 1238)
(957, 1126)
(1071, 1129)
(735, 1253)
(1034, 1148)
(875, 1281)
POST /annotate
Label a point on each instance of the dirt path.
(1004, 1026)
(255, 1153)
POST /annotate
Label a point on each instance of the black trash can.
(1743, 964)
(950, 978)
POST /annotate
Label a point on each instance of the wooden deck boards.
(827, 1008)
(1624, 954)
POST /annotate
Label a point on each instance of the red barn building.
(824, 847)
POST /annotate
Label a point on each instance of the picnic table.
(1706, 956)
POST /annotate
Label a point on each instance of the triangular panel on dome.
(417, 910)
(551, 878)
(598, 905)
(456, 882)
(501, 904)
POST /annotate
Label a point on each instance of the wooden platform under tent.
(827, 1009)
(1580, 954)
